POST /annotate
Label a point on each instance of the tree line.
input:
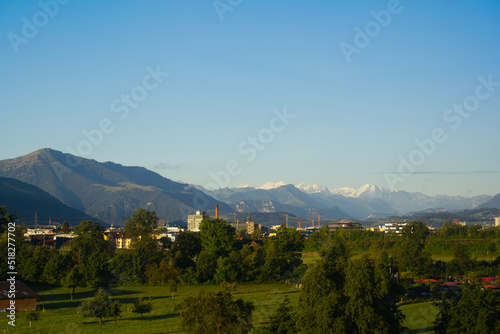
(340, 293)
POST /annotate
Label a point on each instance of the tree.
(206, 266)
(217, 237)
(416, 230)
(338, 296)
(211, 312)
(56, 267)
(371, 305)
(142, 306)
(141, 224)
(186, 247)
(476, 311)
(74, 279)
(92, 253)
(100, 306)
(410, 257)
(462, 262)
(6, 218)
(31, 316)
(322, 299)
(282, 254)
(145, 253)
(31, 262)
(283, 320)
(65, 227)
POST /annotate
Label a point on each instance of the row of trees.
(409, 255)
(212, 256)
(338, 295)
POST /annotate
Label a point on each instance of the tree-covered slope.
(107, 191)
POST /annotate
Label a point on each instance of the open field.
(60, 312)
(419, 317)
(60, 316)
(448, 257)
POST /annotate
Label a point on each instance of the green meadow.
(58, 313)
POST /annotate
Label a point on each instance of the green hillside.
(107, 191)
(27, 199)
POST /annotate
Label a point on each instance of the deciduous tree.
(211, 312)
(142, 306)
(141, 224)
(476, 311)
(100, 306)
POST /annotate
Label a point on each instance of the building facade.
(194, 221)
(395, 227)
(345, 224)
(248, 226)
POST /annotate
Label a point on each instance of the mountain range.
(368, 201)
(110, 192)
(107, 191)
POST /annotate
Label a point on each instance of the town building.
(394, 227)
(117, 238)
(248, 227)
(344, 224)
(497, 222)
(194, 221)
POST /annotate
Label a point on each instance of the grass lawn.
(60, 312)
(60, 316)
(449, 257)
(308, 258)
(419, 317)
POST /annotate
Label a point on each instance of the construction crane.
(286, 216)
(312, 220)
(297, 220)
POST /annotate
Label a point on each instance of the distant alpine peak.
(245, 185)
(370, 189)
(366, 190)
(345, 191)
(272, 185)
(312, 189)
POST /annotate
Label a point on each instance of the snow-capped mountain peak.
(312, 189)
(366, 190)
(245, 185)
(345, 191)
(371, 190)
(272, 185)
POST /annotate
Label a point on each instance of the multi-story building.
(345, 224)
(248, 226)
(497, 222)
(394, 227)
(194, 221)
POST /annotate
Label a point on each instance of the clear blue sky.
(354, 120)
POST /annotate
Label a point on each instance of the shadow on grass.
(420, 330)
(62, 300)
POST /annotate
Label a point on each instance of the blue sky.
(356, 118)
